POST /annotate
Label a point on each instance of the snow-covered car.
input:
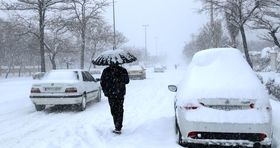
(63, 87)
(38, 75)
(136, 72)
(222, 102)
(95, 71)
(159, 68)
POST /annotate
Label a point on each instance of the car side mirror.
(172, 88)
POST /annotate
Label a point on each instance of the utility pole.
(156, 46)
(146, 52)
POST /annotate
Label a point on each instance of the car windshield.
(61, 75)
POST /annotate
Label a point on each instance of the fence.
(18, 70)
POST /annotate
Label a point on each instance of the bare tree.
(14, 54)
(233, 29)
(56, 39)
(80, 13)
(40, 8)
(239, 13)
(269, 20)
(204, 39)
(100, 37)
(210, 7)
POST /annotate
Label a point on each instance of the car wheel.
(99, 95)
(40, 107)
(83, 103)
(179, 135)
(266, 146)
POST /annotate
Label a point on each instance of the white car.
(136, 72)
(222, 102)
(159, 68)
(63, 87)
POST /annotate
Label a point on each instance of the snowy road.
(148, 118)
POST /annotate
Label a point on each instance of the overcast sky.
(171, 23)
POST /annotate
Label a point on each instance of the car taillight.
(71, 90)
(262, 136)
(268, 108)
(192, 134)
(252, 105)
(35, 90)
(191, 107)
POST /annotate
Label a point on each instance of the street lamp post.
(146, 52)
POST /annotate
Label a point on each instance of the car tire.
(40, 107)
(179, 135)
(83, 104)
(99, 95)
(266, 146)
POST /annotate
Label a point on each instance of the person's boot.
(117, 131)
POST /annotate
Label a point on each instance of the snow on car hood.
(220, 73)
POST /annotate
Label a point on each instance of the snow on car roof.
(220, 73)
(61, 75)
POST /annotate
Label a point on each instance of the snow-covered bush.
(272, 86)
(261, 60)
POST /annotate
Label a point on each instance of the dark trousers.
(116, 105)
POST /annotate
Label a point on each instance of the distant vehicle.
(136, 72)
(62, 87)
(159, 68)
(222, 102)
(95, 71)
(38, 75)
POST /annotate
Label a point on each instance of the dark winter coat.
(113, 81)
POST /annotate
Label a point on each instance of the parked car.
(222, 102)
(95, 71)
(62, 87)
(159, 68)
(136, 72)
(38, 75)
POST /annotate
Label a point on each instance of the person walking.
(113, 81)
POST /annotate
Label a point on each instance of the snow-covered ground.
(148, 118)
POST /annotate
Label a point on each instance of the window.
(85, 78)
(89, 76)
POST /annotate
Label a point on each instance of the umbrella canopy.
(116, 56)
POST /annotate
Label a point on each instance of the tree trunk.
(245, 46)
(52, 60)
(19, 71)
(275, 39)
(83, 36)
(42, 34)
(9, 70)
(83, 49)
(234, 43)
(53, 63)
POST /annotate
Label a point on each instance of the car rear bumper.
(56, 100)
(226, 143)
(137, 76)
(226, 134)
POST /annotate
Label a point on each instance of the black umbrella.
(116, 56)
